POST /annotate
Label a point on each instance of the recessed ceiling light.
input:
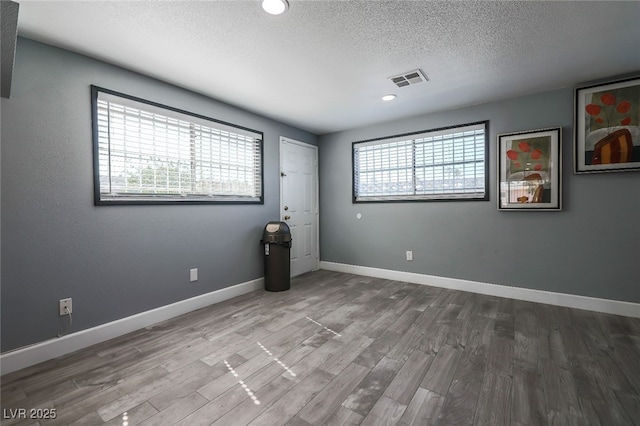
(389, 97)
(275, 7)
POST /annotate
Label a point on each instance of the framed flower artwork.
(607, 127)
(529, 170)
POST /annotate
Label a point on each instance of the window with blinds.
(149, 153)
(440, 164)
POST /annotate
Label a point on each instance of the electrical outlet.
(193, 274)
(409, 255)
(65, 306)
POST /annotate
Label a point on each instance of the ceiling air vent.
(408, 78)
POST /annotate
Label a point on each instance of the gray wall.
(114, 261)
(591, 248)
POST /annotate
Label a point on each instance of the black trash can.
(276, 239)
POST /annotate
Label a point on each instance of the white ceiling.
(323, 66)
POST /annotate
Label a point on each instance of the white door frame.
(317, 190)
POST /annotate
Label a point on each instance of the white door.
(299, 202)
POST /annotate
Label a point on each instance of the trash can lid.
(276, 232)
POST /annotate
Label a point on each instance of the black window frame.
(356, 199)
(164, 199)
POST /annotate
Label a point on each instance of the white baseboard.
(39, 352)
(608, 306)
(34, 354)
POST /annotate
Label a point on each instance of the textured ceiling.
(323, 65)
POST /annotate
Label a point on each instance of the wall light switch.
(409, 255)
(193, 274)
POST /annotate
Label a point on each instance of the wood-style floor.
(343, 349)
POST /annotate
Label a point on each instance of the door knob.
(286, 208)
(287, 217)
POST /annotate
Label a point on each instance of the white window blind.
(431, 165)
(150, 153)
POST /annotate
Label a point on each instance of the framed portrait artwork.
(606, 127)
(529, 170)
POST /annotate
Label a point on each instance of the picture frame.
(530, 170)
(607, 127)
